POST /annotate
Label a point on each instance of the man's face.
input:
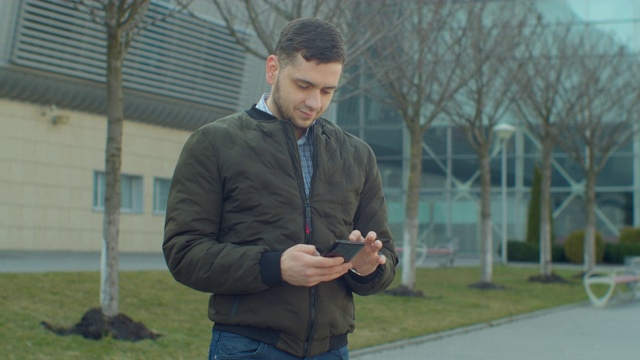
(301, 91)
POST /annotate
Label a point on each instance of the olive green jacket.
(237, 202)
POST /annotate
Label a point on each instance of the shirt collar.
(262, 104)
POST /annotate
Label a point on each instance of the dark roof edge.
(45, 88)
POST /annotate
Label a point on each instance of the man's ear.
(272, 68)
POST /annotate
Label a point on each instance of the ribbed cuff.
(363, 279)
(270, 268)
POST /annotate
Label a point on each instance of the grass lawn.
(180, 314)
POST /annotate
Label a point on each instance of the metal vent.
(179, 57)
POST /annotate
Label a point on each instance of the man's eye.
(303, 86)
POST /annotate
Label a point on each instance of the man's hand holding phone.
(345, 249)
(368, 259)
(301, 265)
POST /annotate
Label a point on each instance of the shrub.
(530, 252)
(557, 253)
(574, 247)
(533, 216)
(629, 235)
(523, 251)
(615, 253)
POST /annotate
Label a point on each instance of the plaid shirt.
(305, 148)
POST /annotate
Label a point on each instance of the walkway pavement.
(580, 332)
(577, 332)
(42, 261)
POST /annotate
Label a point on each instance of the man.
(257, 196)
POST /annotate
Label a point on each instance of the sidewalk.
(576, 332)
(45, 261)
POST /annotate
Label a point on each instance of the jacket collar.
(258, 114)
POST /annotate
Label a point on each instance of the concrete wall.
(46, 179)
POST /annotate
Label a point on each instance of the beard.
(284, 113)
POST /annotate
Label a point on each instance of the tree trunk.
(412, 222)
(545, 208)
(485, 217)
(113, 158)
(590, 229)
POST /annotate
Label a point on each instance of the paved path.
(578, 332)
(42, 261)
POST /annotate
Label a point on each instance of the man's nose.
(313, 100)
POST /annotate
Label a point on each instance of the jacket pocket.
(224, 305)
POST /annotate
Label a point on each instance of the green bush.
(530, 252)
(523, 251)
(615, 253)
(574, 247)
(629, 235)
(557, 253)
(533, 215)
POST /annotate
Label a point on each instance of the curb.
(459, 331)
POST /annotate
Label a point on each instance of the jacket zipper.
(295, 161)
(313, 290)
(307, 228)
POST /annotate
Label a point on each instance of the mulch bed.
(95, 325)
(548, 279)
(404, 291)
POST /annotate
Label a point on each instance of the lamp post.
(504, 131)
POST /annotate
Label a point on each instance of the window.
(130, 192)
(160, 194)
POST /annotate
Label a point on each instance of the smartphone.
(345, 249)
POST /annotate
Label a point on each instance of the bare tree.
(264, 18)
(608, 103)
(418, 71)
(545, 102)
(497, 31)
(122, 21)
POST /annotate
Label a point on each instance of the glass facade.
(450, 191)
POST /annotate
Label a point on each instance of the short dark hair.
(316, 40)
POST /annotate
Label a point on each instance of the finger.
(327, 274)
(372, 244)
(355, 235)
(326, 262)
(307, 249)
(377, 245)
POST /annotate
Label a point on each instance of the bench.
(421, 253)
(611, 279)
(445, 252)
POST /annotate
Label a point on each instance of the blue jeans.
(225, 345)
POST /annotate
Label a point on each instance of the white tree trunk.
(485, 218)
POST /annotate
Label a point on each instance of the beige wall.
(46, 179)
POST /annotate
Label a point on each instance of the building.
(186, 71)
(179, 74)
(449, 199)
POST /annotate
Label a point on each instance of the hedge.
(530, 252)
(615, 253)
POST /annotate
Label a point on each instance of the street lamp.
(504, 131)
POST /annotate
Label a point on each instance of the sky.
(625, 13)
